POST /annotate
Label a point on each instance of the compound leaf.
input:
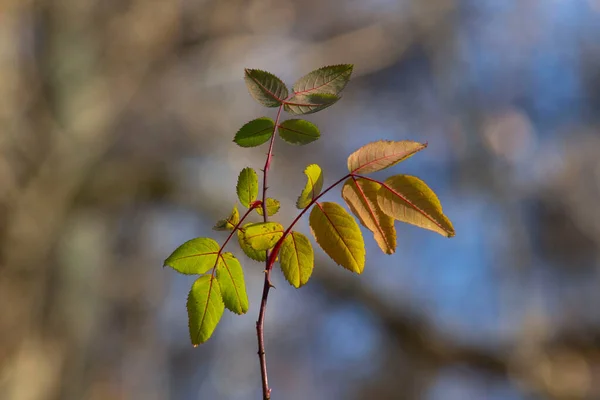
(326, 80)
(205, 308)
(263, 235)
(298, 131)
(265, 87)
(231, 281)
(361, 197)
(272, 207)
(255, 132)
(338, 235)
(229, 223)
(256, 255)
(408, 199)
(314, 184)
(301, 104)
(296, 259)
(195, 256)
(382, 154)
(247, 187)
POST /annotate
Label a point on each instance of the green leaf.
(265, 87)
(361, 197)
(255, 132)
(314, 184)
(301, 104)
(383, 154)
(195, 256)
(263, 235)
(255, 255)
(229, 223)
(298, 131)
(247, 187)
(326, 80)
(205, 308)
(408, 199)
(338, 235)
(272, 207)
(231, 282)
(296, 258)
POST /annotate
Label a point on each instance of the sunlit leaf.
(265, 87)
(338, 235)
(229, 223)
(232, 285)
(205, 308)
(296, 258)
(247, 187)
(272, 207)
(255, 132)
(195, 256)
(256, 255)
(361, 197)
(327, 80)
(263, 235)
(298, 131)
(383, 154)
(314, 184)
(301, 104)
(408, 199)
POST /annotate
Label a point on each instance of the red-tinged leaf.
(309, 103)
(266, 88)
(383, 154)
(326, 80)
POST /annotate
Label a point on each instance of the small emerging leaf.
(232, 285)
(229, 223)
(255, 132)
(296, 258)
(314, 184)
(383, 154)
(338, 235)
(361, 197)
(265, 87)
(195, 256)
(272, 207)
(301, 104)
(255, 255)
(408, 199)
(247, 187)
(326, 80)
(263, 235)
(298, 131)
(205, 308)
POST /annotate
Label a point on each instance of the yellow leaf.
(272, 207)
(314, 184)
(338, 235)
(361, 197)
(256, 255)
(263, 235)
(383, 154)
(205, 308)
(229, 223)
(409, 199)
(296, 259)
(231, 282)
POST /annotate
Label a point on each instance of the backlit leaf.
(338, 235)
(229, 223)
(247, 187)
(314, 184)
(205, 308)
(265, 87)
(195, 256)
(361, 197)
(263, 235)
(256, 255)
(301, 104)
(232, 285)
(255, 132)
(298, 131)
(296, 258)
(272, 207)
(408, 199)
(327, 80)
(383, 154)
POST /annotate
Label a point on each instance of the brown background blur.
(116, 127)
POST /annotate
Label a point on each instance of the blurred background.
(116, 127)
